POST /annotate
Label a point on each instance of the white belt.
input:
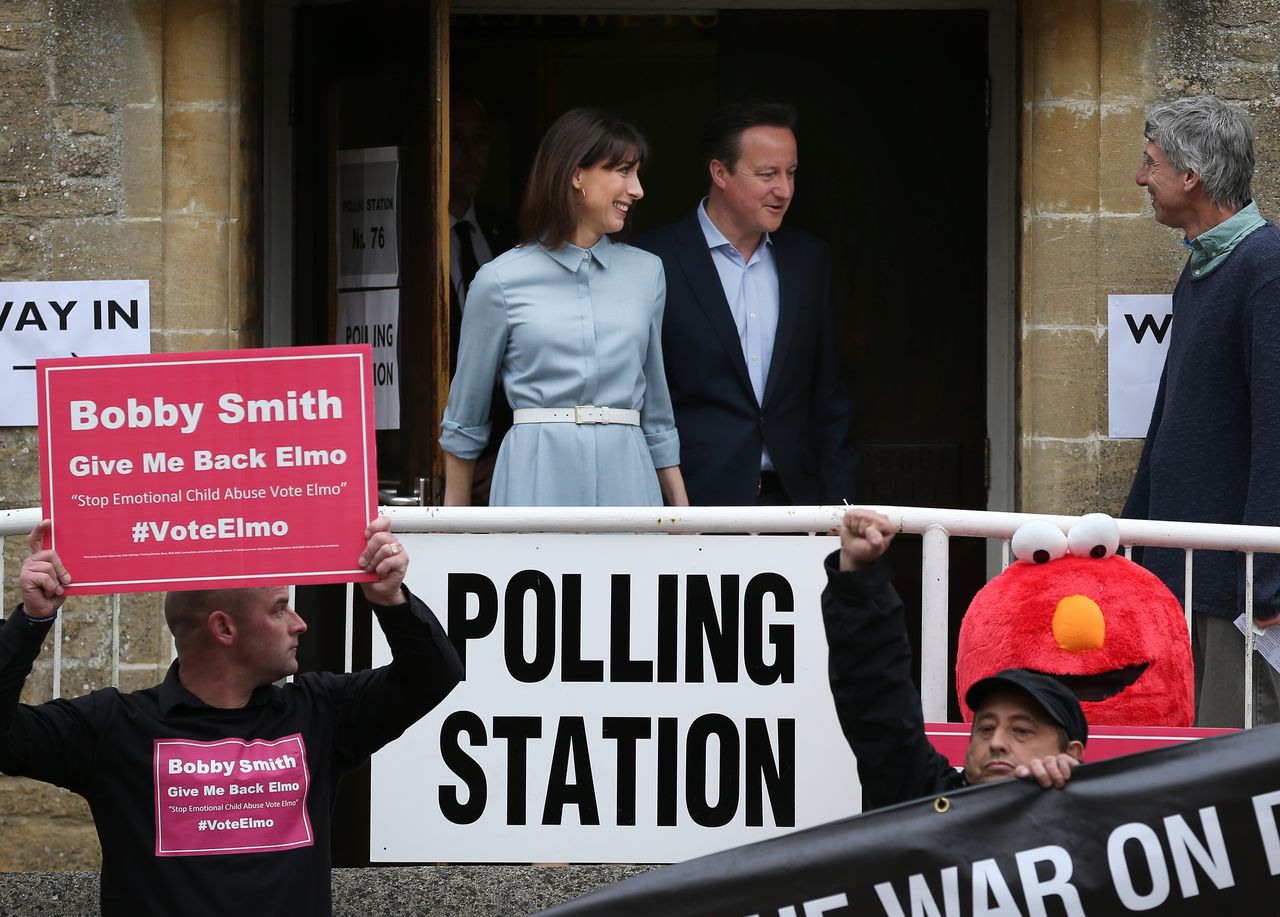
(582, 413)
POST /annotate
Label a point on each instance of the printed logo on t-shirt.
(231, 796)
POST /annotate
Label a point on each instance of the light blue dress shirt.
(751, 288)
(566, 327)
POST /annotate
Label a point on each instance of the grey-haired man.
(1211, 450)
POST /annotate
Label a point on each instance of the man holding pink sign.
(212, 791)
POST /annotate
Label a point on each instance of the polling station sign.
(1189, 830)
(628, 698)
(61, 319)
(368, 223)
(202, 470)
(373, 317)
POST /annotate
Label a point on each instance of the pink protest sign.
(208, 470)
(231, 796)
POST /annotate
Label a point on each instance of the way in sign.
(34, 316)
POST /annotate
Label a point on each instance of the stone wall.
(1090, 69)
(119, 158)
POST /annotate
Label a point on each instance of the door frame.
(277, 175)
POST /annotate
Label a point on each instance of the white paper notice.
(1138, 328)
(80, 318)
(373, 317)
(1266, 641)
(368, 218)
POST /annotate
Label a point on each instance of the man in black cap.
(1025, 724)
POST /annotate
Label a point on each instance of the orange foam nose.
(1078, 624)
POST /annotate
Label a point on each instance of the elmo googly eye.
(1038, 542)
(1095, 535)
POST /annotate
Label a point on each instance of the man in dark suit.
(749, 331)
(476, 237)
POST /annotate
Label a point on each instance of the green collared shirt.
(1210, 248)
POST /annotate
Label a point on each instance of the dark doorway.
(893, 165)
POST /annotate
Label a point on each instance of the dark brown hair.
(723, 138)
(579, 139)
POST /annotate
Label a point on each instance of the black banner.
(1193, 829)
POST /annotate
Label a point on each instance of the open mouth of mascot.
(1099, 686)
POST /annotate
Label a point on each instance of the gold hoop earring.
(583, 191)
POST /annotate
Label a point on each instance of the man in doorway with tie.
(477, 235)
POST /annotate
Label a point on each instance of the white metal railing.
(937, 526)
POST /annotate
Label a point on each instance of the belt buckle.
(582, 414)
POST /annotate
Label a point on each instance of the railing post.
(348, 627)
(935, 567)
(1186, 580)
(1248, 640)
(57, 655)
(114, 604)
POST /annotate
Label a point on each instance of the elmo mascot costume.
(1071, 608)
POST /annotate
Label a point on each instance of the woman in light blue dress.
(572, 322)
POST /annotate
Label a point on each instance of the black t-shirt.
(202, 810)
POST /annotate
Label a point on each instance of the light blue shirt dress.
(566, 327)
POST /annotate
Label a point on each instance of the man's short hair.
(723, 139)
(1204, 135)
(1053, 697)
(187, 610)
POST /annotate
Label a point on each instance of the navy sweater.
(1212, 453)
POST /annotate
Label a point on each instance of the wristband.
(32, 619)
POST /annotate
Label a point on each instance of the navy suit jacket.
(805, 420)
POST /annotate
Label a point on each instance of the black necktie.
(466, 253)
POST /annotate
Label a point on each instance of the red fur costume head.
(1102, 625)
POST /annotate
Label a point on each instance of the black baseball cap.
(1054, 697)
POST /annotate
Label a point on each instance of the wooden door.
(373, 74)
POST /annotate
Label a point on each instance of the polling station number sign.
(208, 469)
